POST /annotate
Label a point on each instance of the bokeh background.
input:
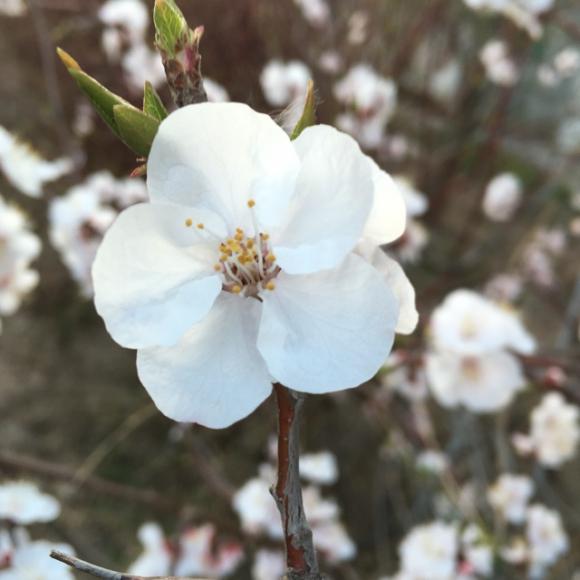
(451, 114)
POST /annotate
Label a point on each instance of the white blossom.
(141, 63)
(555, 430)
(483, 384)
(320, 468)
(358, 24)
(567, 62)
(371, 100)
(126, 21)
(510, 495)
(469, 324)
(80, 218)
(316, 12)
(283, 82)
(25, 169)
(259, 515)
(502, 197)
(21, 502)
(445, 82)
(32, 561)
(524, 13)
(547, 539)
(235, 215)
(416, 202)
(198, 555)
(268, 565)
(432, 461)
(430, 551)
(477, 551)
(215, 92)
(408, 381)
(499, 67)
(12, 8)
(18, 248)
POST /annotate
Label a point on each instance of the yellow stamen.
(188, 222)
(270, 285)
(200, 226)
(251, 203)
(218, 267)
(270, 257)
(236, 289)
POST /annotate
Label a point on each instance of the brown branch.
(300, 554)
(99, 572)
(17, 462)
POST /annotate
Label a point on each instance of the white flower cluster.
(24, 168)
(259, 514)
(554, 432)
(124, 39)
(524, 13)
(316, 12)
(195, 553)
(443, 551)
(22, 504)
(502, 197)
(411, 244)
(80, 218)
(563, 66)
(499, 67)
(470, 363)
(370, 101)
(282, 82)
(18, 248)
(12, 8)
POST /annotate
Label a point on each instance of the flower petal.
(328, 331)
(388, 217)
(397, 281)
(334, 195)
(154, 276)
(215, 376)
(221, 155)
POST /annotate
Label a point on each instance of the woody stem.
(300, 554)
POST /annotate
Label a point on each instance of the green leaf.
(152, 103)
(308, 117)
(136, 129)
(170, 26)
(103, 99)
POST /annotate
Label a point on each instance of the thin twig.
(98, 572)
(300, 554)
(17, 462)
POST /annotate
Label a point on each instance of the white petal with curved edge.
(328, 331)
(333, 199)
(388, 217)
(219, 156)
(153, 276)
(215, 375)
(397, 281)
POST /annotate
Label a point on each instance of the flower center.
(246, 263)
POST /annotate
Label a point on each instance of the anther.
(251, 203)
(188, 222)
(200, 226)
(270, 285)
(236, 289)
